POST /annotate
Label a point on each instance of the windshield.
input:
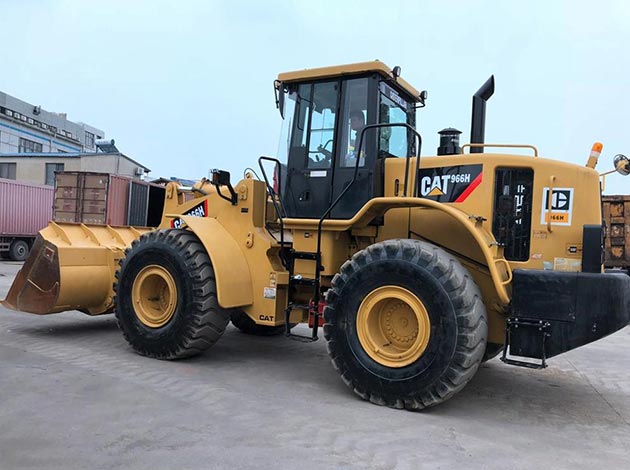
(311, 113)
(287, 124)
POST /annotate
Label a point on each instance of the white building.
(26, 128)
(35, 143)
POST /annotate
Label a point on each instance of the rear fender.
(233, 279)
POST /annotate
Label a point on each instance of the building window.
(28, 146)
(51, 168)
(89, 140)
(7, 170)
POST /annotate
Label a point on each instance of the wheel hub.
(154, 296)
(393, 326)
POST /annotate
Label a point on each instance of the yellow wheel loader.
(417, 267)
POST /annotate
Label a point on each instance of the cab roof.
(349, 69)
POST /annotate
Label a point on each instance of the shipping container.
(138, 203)
(24, 210)
(104, 199)
(616, 211)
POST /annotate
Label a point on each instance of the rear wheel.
(18, 251)
(166, 302)
(243, 322)
(405, 324)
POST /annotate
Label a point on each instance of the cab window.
(355, 110)
(393, 108)
(320, 105)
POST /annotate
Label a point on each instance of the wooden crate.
(616, 211)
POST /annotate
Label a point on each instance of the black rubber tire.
(492, 351)
(246, 325)
(18, 251)
(455, 308)
(198, 321)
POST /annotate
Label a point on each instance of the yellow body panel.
(228, 261)
(248, 271)
(552, 246)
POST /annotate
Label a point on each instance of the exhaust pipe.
(478, 124)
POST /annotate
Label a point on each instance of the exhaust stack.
(478, 124)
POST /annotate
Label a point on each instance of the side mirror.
(279, 91)
(622, 164)
(423, 98)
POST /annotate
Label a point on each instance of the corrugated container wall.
(94, 197)
(118, 200)
(138, 203)
(24, 208)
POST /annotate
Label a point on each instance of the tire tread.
(467, 301)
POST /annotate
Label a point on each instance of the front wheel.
(166, 300)
(405, 324)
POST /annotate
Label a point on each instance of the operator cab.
(324, 113)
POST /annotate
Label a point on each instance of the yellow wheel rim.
(154, 296)
(393, 326)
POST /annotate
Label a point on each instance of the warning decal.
(449, 183)
(561, 206)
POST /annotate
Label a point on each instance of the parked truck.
(25, 209)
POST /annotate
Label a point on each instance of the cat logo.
(449, 184)
(435, 192)
(561, 207)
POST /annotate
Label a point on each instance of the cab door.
(312, 150)
(358, 110)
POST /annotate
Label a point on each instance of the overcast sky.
(185, 86)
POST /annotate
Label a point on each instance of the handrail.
(273, 195)
(508, 269)
(356, 170)
(518, 146)
(483, 238)
(552, 178)
(318, 260)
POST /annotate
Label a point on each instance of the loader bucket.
(71, 267)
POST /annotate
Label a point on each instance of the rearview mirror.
(279, 91)
(622, 164)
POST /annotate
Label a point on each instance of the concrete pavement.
(74, 395)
